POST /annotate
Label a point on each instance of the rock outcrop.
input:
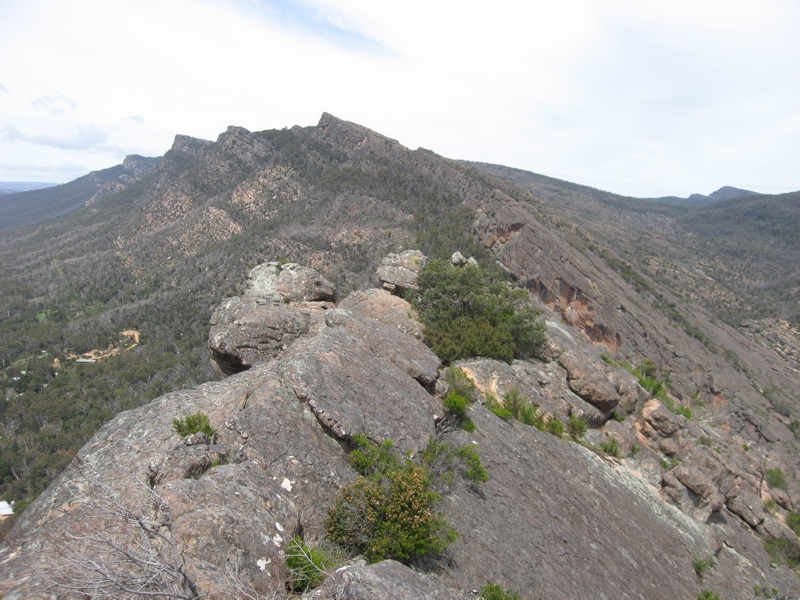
(555, 519)
(398, 272)
(281, 303)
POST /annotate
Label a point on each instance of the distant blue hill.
(722, 194)
(12, 187)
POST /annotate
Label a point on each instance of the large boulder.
(244, 332)
(289, 282)
(590, 379)
(281, 303)
(385, 307)
(398, 272)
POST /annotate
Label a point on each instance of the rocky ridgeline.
(556, 519)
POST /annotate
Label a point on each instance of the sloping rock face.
(554, 520)
(628, 323)
(387, 579)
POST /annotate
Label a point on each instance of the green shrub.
(515, 402)
(373, 460)
(459, 381)
(683, 411)
(389, 512)
(196, 423)
(771, 506)
(577, 427)
(555, 426)
(442, 459)
(775, 478)
(531, 415)
(492, 591)
(19, 506)
(701, 565)
(498, 409)
(390, 519)
(668, 464)
(610, 447)
(783, 552)
(708, 595)
(307, 566)
(468, 311)
(704, 440)
(456, 404)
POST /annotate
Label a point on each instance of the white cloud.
(56, 104)
(646, 98)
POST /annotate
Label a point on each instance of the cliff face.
(553, 520)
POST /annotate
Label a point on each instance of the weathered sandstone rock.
(398, 272)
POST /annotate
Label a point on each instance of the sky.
(644, 98)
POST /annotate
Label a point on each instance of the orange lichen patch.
(719, 401)
(473, 378)
(575, 307)
(483, 388)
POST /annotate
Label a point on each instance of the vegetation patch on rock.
(390, 511)
(468, 311)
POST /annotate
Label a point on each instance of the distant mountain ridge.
(34, 206)
(13, 187)
(722, 194)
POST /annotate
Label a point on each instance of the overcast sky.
(638, 97)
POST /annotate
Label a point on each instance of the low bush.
(531, 415)
(196, 423)
(610, 447)
(577, 427)
(555, 426)
(442, 460)
(514, 401)
(458, 380)
(392, 518)
(776, 478)
(668, 464)
(793, 521)
(783, 552)
(389, 512)
(702, 565)
(307, 566)
(456, 404)
(498, 409)
(493, 591)
(708, 595)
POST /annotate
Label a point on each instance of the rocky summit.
(647, 450)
